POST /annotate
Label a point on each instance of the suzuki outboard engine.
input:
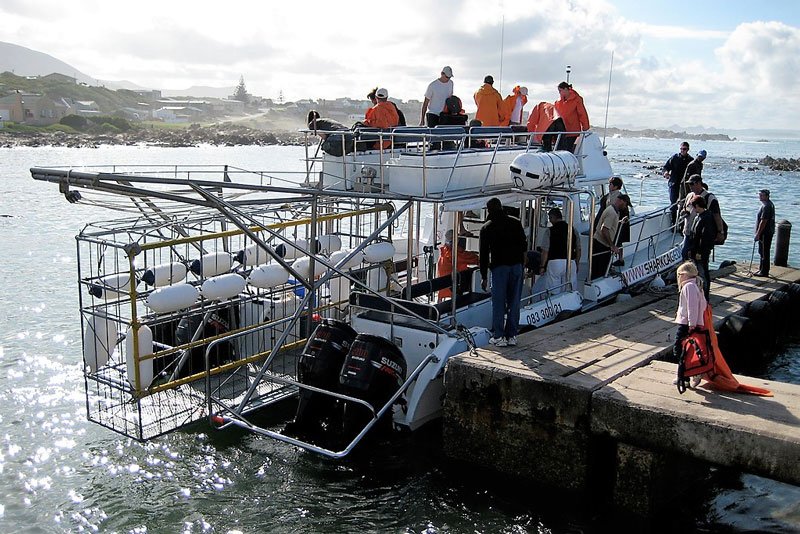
(319, 366)
(373, 371)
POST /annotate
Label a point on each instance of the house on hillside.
(177, 114)
(31, 109)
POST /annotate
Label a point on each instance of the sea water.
(59, 473)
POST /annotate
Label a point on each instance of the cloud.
(663, 74)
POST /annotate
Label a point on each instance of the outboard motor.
(319, 366)
(373, 371)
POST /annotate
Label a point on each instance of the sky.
(727, 64)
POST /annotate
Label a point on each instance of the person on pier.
(765, 229)
(691, 309)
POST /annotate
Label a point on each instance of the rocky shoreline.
(194, 135)
(224, 134)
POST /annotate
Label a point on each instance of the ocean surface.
(59, 473)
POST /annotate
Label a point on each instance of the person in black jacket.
(674, 172)
(502, 249)
(702, 238)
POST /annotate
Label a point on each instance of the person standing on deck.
(513, 106)
(502, 249)
(702, 238)
(675, 173)
(554, 252)
(694, 167)
(435, 95)
(490, 104)
(765, 229)
(605, 235)
(572, 111)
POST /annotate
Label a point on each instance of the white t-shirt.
(437, 93)
(516, 115)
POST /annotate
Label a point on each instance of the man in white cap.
(435, 95)
(513, 105)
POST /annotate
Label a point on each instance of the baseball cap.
(701, 154)
(695, 179)
(382, 93)
(447, 71)
(488, 79)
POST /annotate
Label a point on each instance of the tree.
(241, 93)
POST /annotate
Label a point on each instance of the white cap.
(523, 91)
(382, 93)
(447, 71)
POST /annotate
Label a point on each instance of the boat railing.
(226, 417)
(366, 158)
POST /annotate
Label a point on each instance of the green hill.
(58, 86)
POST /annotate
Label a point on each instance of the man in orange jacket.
(513, 104)
(382, 115)
(490, 104)
(571, 109)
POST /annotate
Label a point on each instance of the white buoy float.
(534, 170)
(379, 252)
(172, 298)
(303, 267)
(145, 349)
(268, 276)
(289, 252)
(221, 287)
(253, 255)
(164, 274)
(212, 264)
(339, 255)
(328, 244)
(99, 340)
(339, 290)
(111, 286)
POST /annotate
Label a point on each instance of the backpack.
(697, 357)
(709, 198)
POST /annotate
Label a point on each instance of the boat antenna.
(608, 98)
(502, 40)
(569, 69)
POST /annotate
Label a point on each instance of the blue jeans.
(506, 293)
(674, 193)
(685, 248)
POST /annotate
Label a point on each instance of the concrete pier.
(584, 403)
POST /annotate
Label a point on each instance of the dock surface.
(540, 409)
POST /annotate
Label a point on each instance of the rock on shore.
(781, 164)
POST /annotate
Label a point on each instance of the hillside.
(57, 85)
(26, 62)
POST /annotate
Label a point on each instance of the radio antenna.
(502, 41)
(608, 98)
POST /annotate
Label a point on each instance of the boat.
(231, 292)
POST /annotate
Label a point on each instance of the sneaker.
(512, 341)
(759, 273)
(498, 341)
